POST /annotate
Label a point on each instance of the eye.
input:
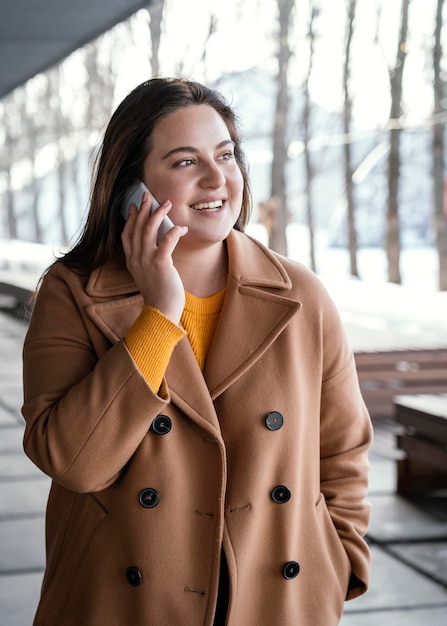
(226, 156)
(184, 162)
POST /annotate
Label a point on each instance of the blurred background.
(343, 110)
(342, 104)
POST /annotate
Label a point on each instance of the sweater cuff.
(151, 341)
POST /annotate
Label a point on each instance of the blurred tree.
(7, 110)
(62, 127)
(314, 12)
(277, 237)
(99, 58)
(24, 137)
(396, 79)
(155, 9)
(439, 175)
(351, 6)
(35, 189)
(212, 28)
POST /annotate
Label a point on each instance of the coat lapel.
(188, 388)
(115, 316)
(255, 311)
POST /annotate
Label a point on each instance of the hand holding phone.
(134, 195)
(159, 283)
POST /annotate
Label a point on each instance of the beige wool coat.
(264, 453)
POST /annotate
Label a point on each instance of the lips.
(207, 206)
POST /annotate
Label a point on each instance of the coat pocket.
(334, 558)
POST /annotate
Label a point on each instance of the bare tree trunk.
(61, 129)
(439, 180)
(155, 9)
(393, 227)
(33, 141)
(314, 12)
(36, 188)
(212, 28)
(347, 118)
(100, 85)
(16, 133)
(9, 157)
(277, 237)
(62, 195)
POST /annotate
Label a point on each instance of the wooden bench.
(385, 374)
(423, 442)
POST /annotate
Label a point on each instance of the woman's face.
(192, 163)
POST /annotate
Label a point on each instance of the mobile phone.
(134, 195)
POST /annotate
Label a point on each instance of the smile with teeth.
(207, 206)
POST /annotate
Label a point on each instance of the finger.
(128, 230)
(163, 209)
(141, 232)
(155, 228)
(169, 242)
(146, 202)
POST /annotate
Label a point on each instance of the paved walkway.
(408, 538)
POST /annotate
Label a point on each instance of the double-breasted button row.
(274, 420)
(161, 425)
(290, 570)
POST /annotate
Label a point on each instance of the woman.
(194, 401)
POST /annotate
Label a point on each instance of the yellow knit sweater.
(153, 337)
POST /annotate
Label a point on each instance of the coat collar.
(256, 309)
(250, 263)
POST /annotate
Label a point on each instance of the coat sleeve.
(346, 436)
(87, 407)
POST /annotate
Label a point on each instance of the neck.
(203, 271)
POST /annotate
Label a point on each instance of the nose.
(212, 175)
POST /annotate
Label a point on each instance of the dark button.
(162, 425)
(281, 494)
(133, 576)
(274, 420)
(291, 570)
(149, 498)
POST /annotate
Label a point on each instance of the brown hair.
(123, 152)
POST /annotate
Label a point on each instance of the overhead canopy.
(36, 34)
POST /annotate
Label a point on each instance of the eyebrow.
(190, 149)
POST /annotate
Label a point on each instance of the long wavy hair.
(119, 163)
